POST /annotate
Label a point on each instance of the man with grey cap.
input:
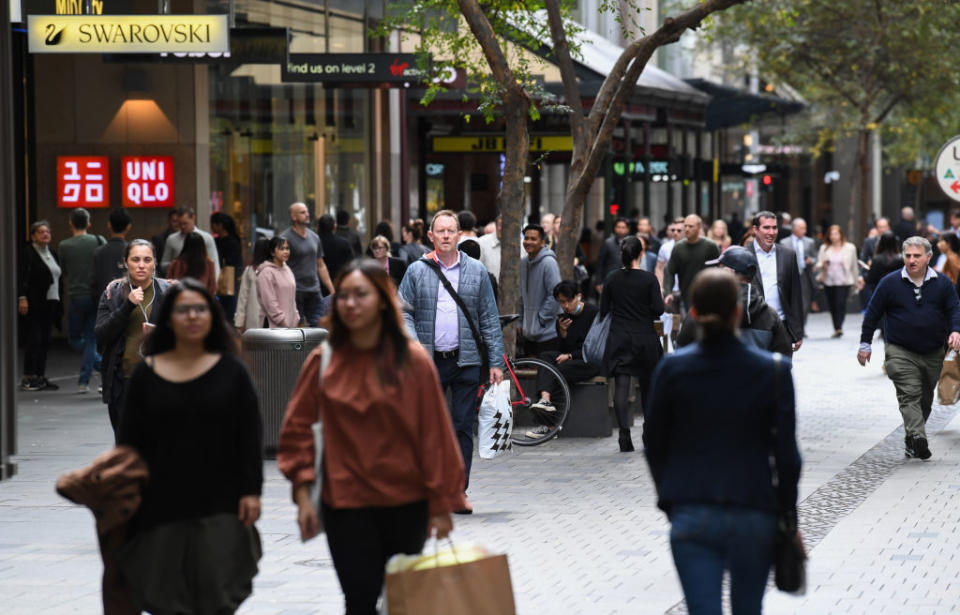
(759, 325)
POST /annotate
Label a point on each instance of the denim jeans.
(81, 320)
(706, 540)
(464, 383)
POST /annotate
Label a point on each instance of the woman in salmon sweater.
(392, 469)
(277, 288)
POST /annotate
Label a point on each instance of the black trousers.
(535, 349)
(361, 541)
(37, 325)
(572, 370)
(837, 300)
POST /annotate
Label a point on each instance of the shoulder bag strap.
(481, 345)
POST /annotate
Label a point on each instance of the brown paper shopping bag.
(481, 587)
(948, 388)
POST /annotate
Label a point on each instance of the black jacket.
(397, 269)
(707, 428)
(608, 259)
(352, 237)
(112, 316)
(108, 265)
(760, 325)
(34, 279)
(336, 252)
(788, 284)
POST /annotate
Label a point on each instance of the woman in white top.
(277, 288)
(837, 267)
(248, 314)
(38, 302)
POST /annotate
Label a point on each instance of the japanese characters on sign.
(147, 181)
(83, 181)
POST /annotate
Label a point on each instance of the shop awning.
(731, 106)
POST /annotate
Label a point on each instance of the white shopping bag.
(495, 422)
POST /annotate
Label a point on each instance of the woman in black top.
(230, 251)
(38, 303)
(191, 412)
(634, 299)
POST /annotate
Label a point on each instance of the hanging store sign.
(83, 181)
(389, 68)
(947, 165)
(128, 34)
(147, 181)
(479, 145)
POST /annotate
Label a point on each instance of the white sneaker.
(544, 405)
(538, 431)
(83, 388)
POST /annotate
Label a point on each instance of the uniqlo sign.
(83, 181)
(147, 181)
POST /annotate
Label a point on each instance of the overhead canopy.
(599, 55)
(731, 106)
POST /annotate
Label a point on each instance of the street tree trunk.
(593, 133)
(512, 198)
(859, 188)
(516, 109)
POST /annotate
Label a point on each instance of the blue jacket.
(922, 326)
(707, 428)
(419, 288)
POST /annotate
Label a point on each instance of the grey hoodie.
(538, 308)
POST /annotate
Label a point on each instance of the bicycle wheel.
(533, 426)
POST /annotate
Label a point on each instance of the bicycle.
(522, 375)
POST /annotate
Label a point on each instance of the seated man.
(572, 327)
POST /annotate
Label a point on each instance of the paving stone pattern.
(577, 519)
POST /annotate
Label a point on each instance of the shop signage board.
(147, 181)
(128, 33)
(83, 181)
(370, 68)
(487, 144)
(947, 165)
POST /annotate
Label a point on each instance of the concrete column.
(201, 95)
(9, 240)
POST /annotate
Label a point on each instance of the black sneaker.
(46, 385)
(917, 448)
(30, 384)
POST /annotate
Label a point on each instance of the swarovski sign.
(128, 33)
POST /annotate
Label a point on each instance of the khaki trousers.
(915, 377)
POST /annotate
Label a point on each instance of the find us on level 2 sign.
(947, 168)
(128, 33)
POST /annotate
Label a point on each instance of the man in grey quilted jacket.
(439, 324)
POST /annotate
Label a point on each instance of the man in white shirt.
(804, 248)
(174, 245)
(778, 275)
(490, 250)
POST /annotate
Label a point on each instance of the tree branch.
(483, 32)
(641, 51)
(561, 50)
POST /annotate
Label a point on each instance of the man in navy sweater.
(922, 311)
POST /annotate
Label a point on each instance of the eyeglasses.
(184, 310)
(917, 295)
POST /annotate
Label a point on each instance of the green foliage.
(444, 40)
(863, 65)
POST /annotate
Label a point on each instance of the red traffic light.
(767, 180)
(614, 208)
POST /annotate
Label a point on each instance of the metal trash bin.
(276, 356)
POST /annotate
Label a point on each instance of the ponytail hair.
(714, 295)
(630, 250)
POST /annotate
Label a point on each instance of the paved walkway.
(577, 518)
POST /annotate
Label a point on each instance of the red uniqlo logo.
(147, 181)
(83, 181)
